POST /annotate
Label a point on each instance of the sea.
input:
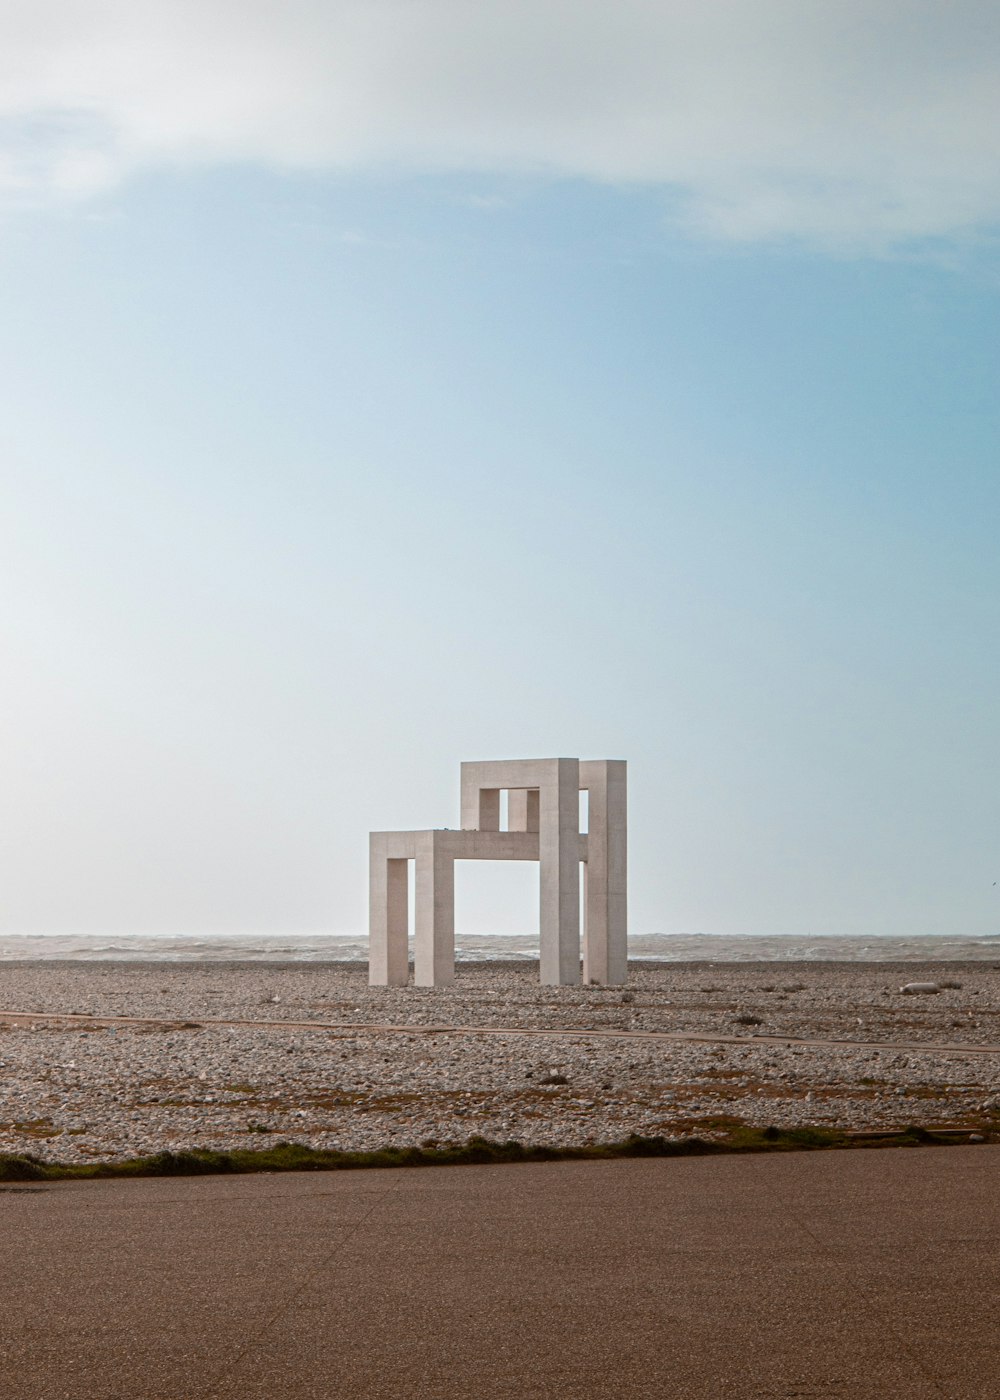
(650, 947)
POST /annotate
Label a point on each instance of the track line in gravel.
(69, 1019)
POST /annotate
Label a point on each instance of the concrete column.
(559, 859)
(522, 809)
(388, 953)
(480, 805)
(489, 810)
(605, 936)
(434, 912)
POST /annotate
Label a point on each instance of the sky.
(390, 384)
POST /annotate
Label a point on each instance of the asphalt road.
(833, 1274)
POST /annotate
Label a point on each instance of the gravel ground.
(84, 1092)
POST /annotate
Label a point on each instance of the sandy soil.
(337, 1078)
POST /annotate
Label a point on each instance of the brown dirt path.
(80, 1019)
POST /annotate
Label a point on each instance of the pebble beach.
(171, 1056)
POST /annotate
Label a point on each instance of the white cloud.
(847, 123)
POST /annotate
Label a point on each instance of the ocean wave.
(665, 947)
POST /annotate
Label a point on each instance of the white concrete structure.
(543, 824)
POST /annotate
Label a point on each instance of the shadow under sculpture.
(543, 824)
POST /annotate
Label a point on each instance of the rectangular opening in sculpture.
(496, 897)
(521, 809)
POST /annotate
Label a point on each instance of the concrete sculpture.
(543, 824)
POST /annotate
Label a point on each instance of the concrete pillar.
(388, 952)
(522, 809)
(434, 912)
(480, 805)
(489, 809)
(605, 932)
(559, 859)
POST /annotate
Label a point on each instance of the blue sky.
(376, 396)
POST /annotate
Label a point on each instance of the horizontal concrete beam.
(465, 845)
(495, 774)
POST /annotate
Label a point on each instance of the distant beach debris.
(919, 989)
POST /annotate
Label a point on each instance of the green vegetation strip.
(296, 1157)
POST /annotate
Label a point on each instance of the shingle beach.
(324, 1060)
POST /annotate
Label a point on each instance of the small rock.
(553, 1077)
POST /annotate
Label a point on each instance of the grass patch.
(32, 1127)
(293, 1156)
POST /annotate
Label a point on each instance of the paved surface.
(353, 1028)
(839, 1275)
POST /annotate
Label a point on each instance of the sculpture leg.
(605, 939)
(434, 915)
(559, 878)
(388, 954)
